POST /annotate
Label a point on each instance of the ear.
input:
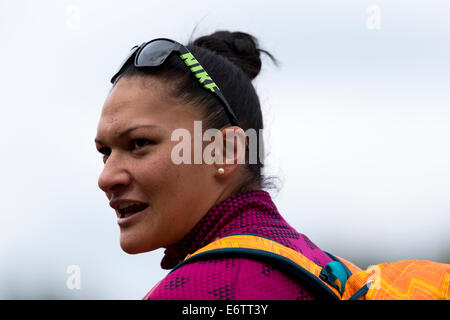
(234, 146)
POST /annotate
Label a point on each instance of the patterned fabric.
(403, 280)
(249, 245)
(235, 278)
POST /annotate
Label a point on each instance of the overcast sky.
(357, 121)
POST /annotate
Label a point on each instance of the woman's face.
(165, 200)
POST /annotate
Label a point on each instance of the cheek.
(162, 181)
(172, 188)
(174, 175)
(154, 168)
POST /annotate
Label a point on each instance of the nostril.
(116, 188)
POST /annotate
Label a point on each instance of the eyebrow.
(127, 131)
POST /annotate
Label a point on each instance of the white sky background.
(358, 127)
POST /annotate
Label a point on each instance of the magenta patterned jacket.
(235, 278)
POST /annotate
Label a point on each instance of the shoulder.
(228, 279)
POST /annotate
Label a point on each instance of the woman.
(163, 87)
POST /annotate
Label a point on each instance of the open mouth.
(132, 209)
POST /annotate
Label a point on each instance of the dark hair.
(232, 59)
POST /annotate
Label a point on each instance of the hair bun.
(238, 47)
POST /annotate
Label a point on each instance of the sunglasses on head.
(153, 54)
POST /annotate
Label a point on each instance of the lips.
(127, 207)
(132, 209)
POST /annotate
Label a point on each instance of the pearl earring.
(221, 170)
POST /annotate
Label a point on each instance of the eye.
(140, 143)
(105, 153)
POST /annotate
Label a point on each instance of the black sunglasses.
(153, 53)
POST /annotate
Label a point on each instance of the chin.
(130, 250)
(132, 246)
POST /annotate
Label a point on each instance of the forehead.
(137, 101)
(132, 97)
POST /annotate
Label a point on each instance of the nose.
(114, 177)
